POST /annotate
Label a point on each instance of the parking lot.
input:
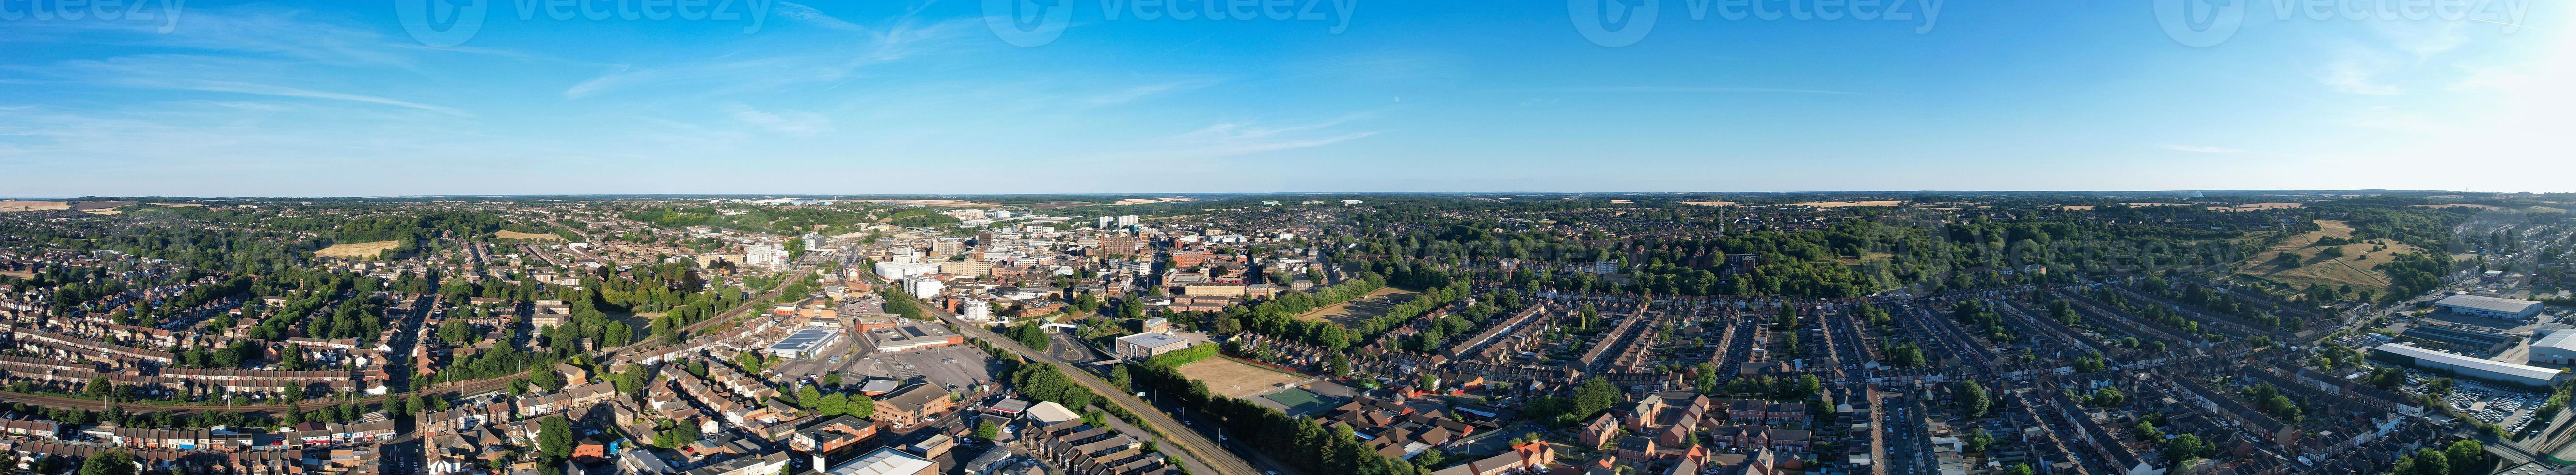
(2495, 405)
(960, 365)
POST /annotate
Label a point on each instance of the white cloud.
(2357, 72)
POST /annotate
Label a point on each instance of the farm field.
(507, 234)
(1356, 311)
(362, 250)
(2457, 205)
(180, 205)
(1710, 203)
(15, 205)
(1850, 204)
(2355, 268)
(2257, 207)
(1235, 379)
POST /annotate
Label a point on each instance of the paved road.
(1194, 449)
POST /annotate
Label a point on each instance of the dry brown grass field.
(1356, 311)
(362, 250)
(508, 234)
(2355, 268)
(2457, 205)
(1235, 379)
(15, 205)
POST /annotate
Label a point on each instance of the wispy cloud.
(1133, 94)
(2357, 72)
(795, 123)
(1699, 89)
(2205, 149)
(809, 15)
(903, 39)
(1240, 138)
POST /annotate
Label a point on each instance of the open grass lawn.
(2355, 268)
(1356, 311)
(362, 250)
(1235, 379)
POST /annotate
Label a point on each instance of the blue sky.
(340, 99)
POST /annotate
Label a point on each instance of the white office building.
(765, 255)
(1126, 220)
(923, 286)
(905, 270)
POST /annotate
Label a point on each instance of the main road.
(1193, 447)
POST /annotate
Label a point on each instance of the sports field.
(1299, 401)
(1235, 379)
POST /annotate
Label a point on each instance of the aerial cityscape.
(2367, 331)
(1287, 237)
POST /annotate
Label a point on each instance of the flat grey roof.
(804, 340)
(2490, 304)
(2464, 362)
(1153, 340)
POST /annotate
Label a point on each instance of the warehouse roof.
(2490, 304)
(2499, 368)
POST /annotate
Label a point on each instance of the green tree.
(834, 404)
(112, 462)
(456, 333)
(554, 437)
(99, 388)
(988, 431)
(809, 398)
(1593, 396)
(547, 378)
(2186, 447)
(1972, 399)
(861, 407)
(2466, 454)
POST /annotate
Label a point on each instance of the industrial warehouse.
(804, 343)
(2475, 368)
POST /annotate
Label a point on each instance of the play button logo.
(1613, 23)
(2200, 23)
